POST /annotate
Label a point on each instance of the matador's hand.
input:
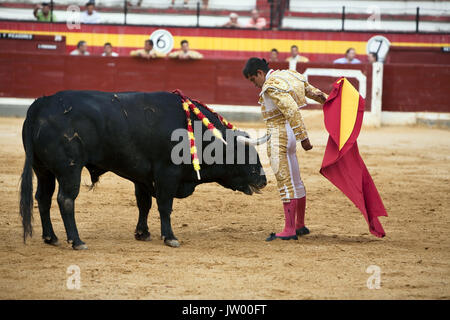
(306, 144)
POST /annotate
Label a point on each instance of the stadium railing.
(401, 16)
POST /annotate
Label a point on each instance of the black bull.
(128, 133)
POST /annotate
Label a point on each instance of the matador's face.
(258, 79)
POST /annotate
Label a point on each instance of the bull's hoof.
(172, 243)
(81, 246)
(51, 241)
(142, 235)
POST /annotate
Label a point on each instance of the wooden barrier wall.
(416, 87)
(219, 82)
(418, 55)
(407, 87)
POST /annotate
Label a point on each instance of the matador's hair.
(253, 65)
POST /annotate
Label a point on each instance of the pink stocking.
(301, 206)
(289, 219)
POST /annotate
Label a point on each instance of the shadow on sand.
(318, 237)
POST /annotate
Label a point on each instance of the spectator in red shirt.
(256, 22)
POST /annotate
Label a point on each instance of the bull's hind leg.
(165, 192)
(44, 193)
(144, 203)
(165, 203)
(69, 187)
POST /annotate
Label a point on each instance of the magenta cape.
(342, 163)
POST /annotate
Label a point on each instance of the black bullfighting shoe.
(302, 231)
(273, 236)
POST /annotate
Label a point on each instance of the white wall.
(386, 7)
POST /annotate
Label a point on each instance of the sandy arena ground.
(223, 254)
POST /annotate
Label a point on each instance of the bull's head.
(245, 172)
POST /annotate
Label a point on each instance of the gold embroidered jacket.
(282, 95)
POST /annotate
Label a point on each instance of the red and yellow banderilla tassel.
(193, 148)
(222, 119)
(206, 121)
(189, 106)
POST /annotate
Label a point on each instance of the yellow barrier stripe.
(265, 45)
(221, 43)
(419, 44)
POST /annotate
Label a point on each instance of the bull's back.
(109, 129)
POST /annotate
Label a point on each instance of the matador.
(283, 93)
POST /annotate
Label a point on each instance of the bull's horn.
(254, 142)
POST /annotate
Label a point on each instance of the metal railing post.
(51, 11)
(417, 19)
(198, 14)
(125, 11)
(343, 18)
(272, 14)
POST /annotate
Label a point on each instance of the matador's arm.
(315, 94)
(288, 107)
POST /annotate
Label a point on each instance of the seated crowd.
(148, 52)
(42, 12)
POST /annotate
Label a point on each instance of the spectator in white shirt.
(349, 57)
(233, 22)
(108, 51)
(81, 49)
(90, 15)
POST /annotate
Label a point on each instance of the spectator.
(81, 49)
(372, 57)
(148, 52)
(42, 12)
(295, 56)
(108, 51)
(273, 55)
(185, 53)
(233, 22)
(90, 15)
(256, 22)
(349, 57)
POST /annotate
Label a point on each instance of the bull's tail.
(26, 183)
